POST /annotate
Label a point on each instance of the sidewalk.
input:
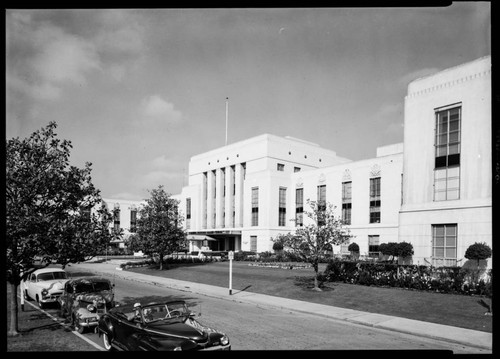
(463, 336)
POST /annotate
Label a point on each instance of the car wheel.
(40, 304)
(80, 329)
(106, 342)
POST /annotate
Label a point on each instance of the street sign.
(230, 255)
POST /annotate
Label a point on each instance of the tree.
(159, 226)
(353, 248)
(404, 249)
(478, 251)
(389, 249)
(52, 209)
(320, 231)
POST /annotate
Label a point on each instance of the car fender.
(106, 326)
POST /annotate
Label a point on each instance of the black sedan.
(157, 327)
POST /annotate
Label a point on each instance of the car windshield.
(51, 276)
(167, 311)
(91, 287)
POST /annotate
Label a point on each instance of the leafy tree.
(159, 226)
(353, 248)
(320, 231)
(277, 244)
(404, 249)
(389, 249)
(52, 209)
(478, 251)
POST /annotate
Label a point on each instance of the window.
(444, 245)
(447, 154)
(373, 244)
(296, 169)
(253, 243)
(116, 218)
(346, 202)
(299, 207)
(133, 219)
(281, 167)
(321, 204)
(188, 213)
(282, 207)
(255, 206)
(375, 200)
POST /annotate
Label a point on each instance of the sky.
(138, 92)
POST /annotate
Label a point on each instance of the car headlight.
(44, 292)
(224, 340)
(177, 349)
(91, 308)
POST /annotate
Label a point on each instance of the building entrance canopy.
(200, 237)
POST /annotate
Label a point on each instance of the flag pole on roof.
(227, 106)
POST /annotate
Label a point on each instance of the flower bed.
(282, 265)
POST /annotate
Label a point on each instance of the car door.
(31, 286)
(126, 331)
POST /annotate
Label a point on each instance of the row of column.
(219, 207)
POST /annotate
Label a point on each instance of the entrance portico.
(216, 240)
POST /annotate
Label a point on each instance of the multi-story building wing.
(447, 182)
(239, 196)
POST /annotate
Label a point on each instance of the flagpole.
(227, 104)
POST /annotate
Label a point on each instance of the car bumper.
(218, 347)
(89, 323)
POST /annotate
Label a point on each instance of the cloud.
(162, 162)
(155, 107)
(42, 58)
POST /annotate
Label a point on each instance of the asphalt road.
(250, 327)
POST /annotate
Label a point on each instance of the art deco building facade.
(434, 190)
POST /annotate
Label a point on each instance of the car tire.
(40, 304)
(80, 329)
(106, 342)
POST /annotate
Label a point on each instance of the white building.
(434, 190)
(447, 160)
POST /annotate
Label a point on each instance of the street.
(250, 327)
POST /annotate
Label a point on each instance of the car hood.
(178, 329)
(52, 285)
(106, 296)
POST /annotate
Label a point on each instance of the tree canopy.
(320, 231)
(53, 211)
(159, 226)
(478, 251)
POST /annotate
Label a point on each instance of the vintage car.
(45, 285)
(84, 300)
(158, 326)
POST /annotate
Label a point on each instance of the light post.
(230, 255)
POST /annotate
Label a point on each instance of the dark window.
(375, 200)
(282, 207)
(321, 204)
(346, 202)
(255, 206)
(299, 207)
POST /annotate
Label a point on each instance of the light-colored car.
(45, 285)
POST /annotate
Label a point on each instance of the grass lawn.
(40, 333)
(448, 309)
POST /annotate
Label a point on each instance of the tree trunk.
(13, 330)
(316, 284)
(161, 260)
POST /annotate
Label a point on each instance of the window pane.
(440, 174)
(443, 128)
(451, 230)
(454, 149)
(454, 125)
(453, 194)
(438, 231)
(439, 242)
(454, 137)
(450, 241)
(438, 252)
(442, 139)
(454, 171)
(453, 183)
(440, 196)
(451, 253)
(440, 185)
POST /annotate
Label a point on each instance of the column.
(238, 200)
(229, 198)
(210, 199)
(219, 198)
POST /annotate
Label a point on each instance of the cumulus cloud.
(41, 57)
(162, 162)
(156, 107)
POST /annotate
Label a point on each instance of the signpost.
(230, 255)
